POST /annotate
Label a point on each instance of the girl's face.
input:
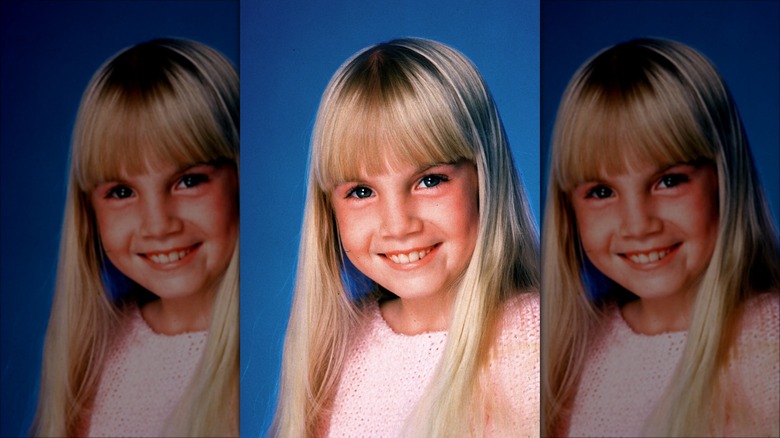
(411, 230)
(173, 231)
(650, 229)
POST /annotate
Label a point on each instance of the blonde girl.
(660, 277)
(415, 310)
(143, 334)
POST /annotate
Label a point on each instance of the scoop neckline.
(627, 327)
(376, 314)
(138, 318)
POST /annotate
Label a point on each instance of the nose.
(399, 216)
(638, 217)
(159, 216)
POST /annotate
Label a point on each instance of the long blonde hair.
(166, 100)
(405, 101)
(657, 101)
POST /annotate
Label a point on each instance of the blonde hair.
(405, 101)
(658, 101)
(161, 101)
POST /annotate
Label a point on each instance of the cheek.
(707, 205)
(706, 224)
(223, 206)
(469, 221)
(354, 226)
(466, 203)
(590, 229)
(227, 217)
(218, 213)
(111, 229)
(350, 231)
(354, 241)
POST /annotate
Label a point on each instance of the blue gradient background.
(289, 50)
(50, 49)
(742, 39)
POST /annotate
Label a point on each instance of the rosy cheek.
(588, 230)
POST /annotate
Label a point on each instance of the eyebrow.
(658, 170)
(421, 169)
(178, 171)
(427, 167)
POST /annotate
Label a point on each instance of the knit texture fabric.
(387, 373)
(627, 373)
(144, 377)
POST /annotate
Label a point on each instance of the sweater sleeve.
(515, 367)
(756, 364)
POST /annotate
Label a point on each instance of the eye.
(599, 192)
(120, 191)
(360, 192)
(429, 181)
(191, 180)
(672, 180)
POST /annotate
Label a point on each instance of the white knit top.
(143, 378)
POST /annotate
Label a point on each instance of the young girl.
(415, 308)
(660, 258)
(143, 335)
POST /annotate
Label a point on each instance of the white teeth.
(652, 256)
(410, 257)
(170, 257)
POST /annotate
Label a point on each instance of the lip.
(644, 259)
(157, 259)
(431, 252)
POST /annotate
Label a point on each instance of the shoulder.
(759, 320)
(514, 362)
(520, 317)
(755, 359)
(517, 332)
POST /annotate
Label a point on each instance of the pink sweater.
(143, 378)
(387, 373)
(627, 373)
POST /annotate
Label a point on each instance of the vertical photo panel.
(661, 273)
(120, 151)
(389, 202)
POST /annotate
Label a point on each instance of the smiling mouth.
(411, 256)
(164, 258)
(653, 256)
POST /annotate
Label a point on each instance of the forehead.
(399, 168)
(147, 169)
(382, 148)
(595, 144)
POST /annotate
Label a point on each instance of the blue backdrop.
(740, 37)
(289, 50)
(50, 49)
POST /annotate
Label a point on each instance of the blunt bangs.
(386, 110)
(612, 121)
(133, 121)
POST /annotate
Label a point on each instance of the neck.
(415, 316)
(175, 316)
(659, 315)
